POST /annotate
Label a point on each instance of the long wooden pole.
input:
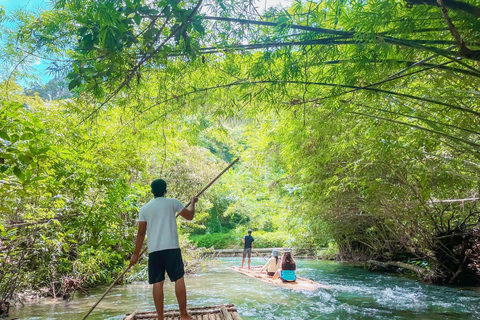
(258, 254)
(145, 249)
(211, 182)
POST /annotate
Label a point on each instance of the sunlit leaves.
(116, 40)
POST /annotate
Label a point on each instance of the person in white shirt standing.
(157, 220)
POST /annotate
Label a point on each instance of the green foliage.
(276, 239)
(329, 253)
(352, 119)
(216, 240)
(70, 199)
(233, 239)
(98, 266)
(109, 31)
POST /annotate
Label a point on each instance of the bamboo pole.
(258, 254)
(226, 314)
(110, 288)
(176, 313)
(236, 316)
(145, 249)
(211, 182)
(131, 316)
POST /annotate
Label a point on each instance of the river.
(355, 294)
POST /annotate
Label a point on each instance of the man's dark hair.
(249, 231)
(159, 186)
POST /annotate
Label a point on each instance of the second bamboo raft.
(301, 284)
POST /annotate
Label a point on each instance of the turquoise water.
(355, 294)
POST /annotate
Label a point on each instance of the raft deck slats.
(236, 316)
(225, 312)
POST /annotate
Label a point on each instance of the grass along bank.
(233, 239)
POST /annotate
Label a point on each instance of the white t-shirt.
(159, 214)
(271, 265)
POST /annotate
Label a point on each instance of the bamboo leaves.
(113, 36)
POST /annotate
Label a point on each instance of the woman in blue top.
(287, 269)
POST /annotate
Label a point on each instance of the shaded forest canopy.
(357, 123)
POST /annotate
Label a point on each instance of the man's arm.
(252, 244)
(189, 212)
(243, 239)
(142, 230)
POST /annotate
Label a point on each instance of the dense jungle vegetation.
(357, 124)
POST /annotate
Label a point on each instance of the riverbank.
(318, 254)
(355, 294)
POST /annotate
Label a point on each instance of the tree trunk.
(423, 273)
(4, 307)
(451, 4)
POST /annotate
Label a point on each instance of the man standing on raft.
(247, 247)
(157, 219)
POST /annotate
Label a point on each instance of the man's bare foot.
(187, 317)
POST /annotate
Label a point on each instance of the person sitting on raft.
(287, 269)
(273, 264)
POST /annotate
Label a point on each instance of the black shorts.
(169, 260)
(247, 252)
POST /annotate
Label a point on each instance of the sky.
(12, 5)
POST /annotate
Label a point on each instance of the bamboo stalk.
(176, 313)
(191, 311)
(226, 314)
(304, 28)
(236, 316)
(470, 143)
(143, 251)
(131, 316)
(246, 82)
(453, 200)
(202, 309)
(258, 254)
(274, 24)
(418, 118)
(421, 271)
(41, 221)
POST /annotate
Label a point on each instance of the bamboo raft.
(301, 284)
(225, 312)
